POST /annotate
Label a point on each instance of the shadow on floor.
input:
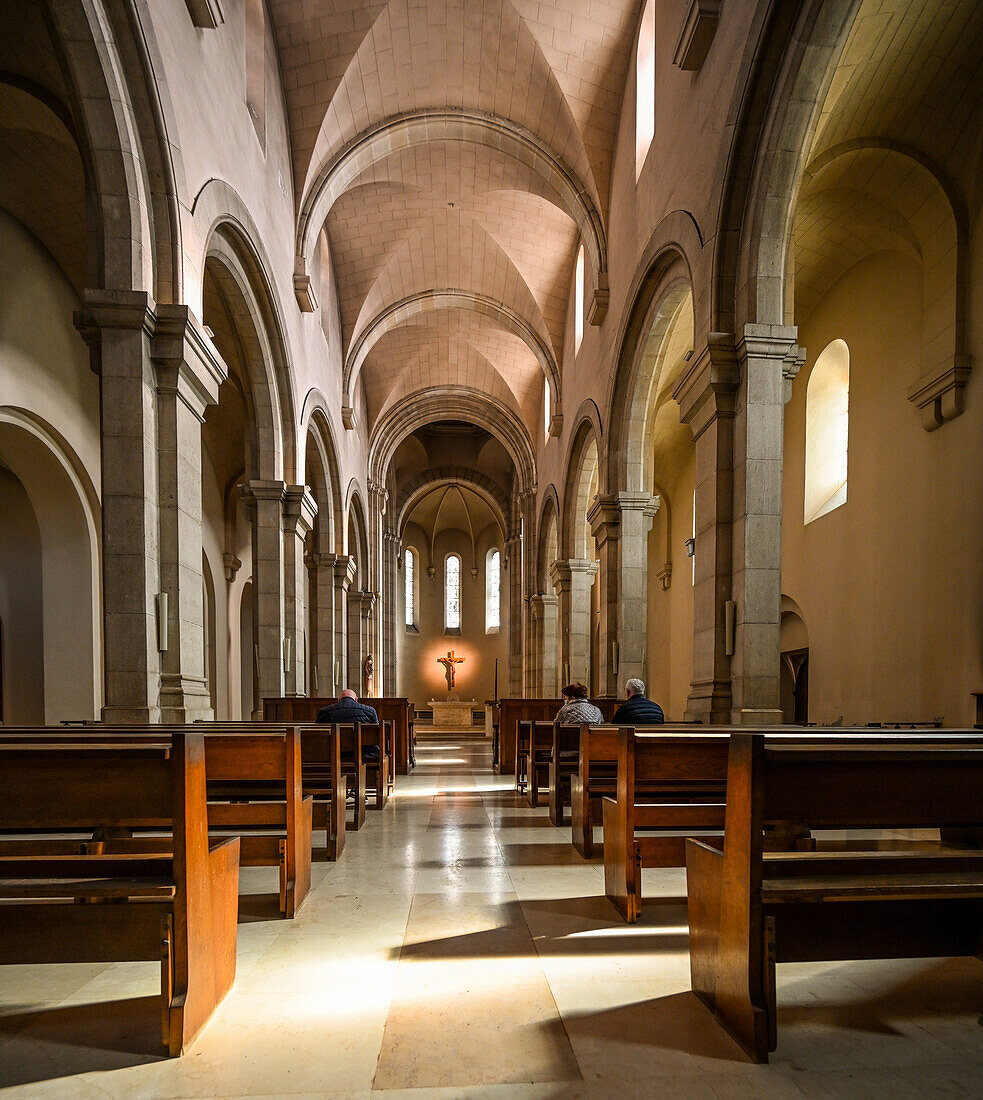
(254, 908)
(80, 1038)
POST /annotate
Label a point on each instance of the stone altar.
(452, 715)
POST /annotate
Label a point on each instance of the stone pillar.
(620, 524)
(118, 328)
(572, 579)
(265, 501)
(531, 672)
(189, 373)
(344, 574)
(366, 606)
(769, 359)
(707, 397)
(513, 562)
(299, 510)
(375, 574)
(389, 605)
(543, 612)
(322, 643)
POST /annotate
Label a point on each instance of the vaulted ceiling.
(454, 153)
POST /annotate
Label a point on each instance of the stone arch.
(120, 107)
(426, 301)
(637, 379)
(374, 145)
(356, 531)
(761, 170)
(327, 492)
(933, 217)
(581, 465)
(447, 403)
(243, 285)
(548, 536)
(427, 480)
(67, 510)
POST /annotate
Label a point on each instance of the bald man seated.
(636, 710)
(347, 708)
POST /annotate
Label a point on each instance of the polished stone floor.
(461, 948)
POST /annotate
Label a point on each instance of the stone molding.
(604, 515)
(299, 510)
(206, 14)
(563, 570)
(696, 36)
(707, 389)
(939, 395)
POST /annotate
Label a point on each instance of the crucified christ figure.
(449, 662)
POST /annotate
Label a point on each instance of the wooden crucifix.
(449, 662)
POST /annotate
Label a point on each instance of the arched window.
(493, 591)
(409, 582)
(827, 431)
(452, 593)
(578, 294)
(645, 87)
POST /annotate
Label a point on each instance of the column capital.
(299, 510)
(344, 570)
(563, 571)
(605, 514)
(775, 343)
(188, 364)
(707, 388)
(253, 491)
(540, 603)
(368, 602)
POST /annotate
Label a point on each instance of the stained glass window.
(452, 592)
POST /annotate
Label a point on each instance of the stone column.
(324, 641)
(620, 524)
(118, 328)
(375, 574)
(543, 612)
(513, 562)
(265, 501)
(390, 622)
(189, 373)
(366, 606)
(344, 575)
(531, 672)
(572, 579)
(707, 397)
(299, 510)
(769, 359)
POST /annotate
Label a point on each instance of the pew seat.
(751, 909)
(62, 902)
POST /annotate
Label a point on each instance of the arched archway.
(50, 566)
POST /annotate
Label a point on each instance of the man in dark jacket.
(636, 710)
(347, 708)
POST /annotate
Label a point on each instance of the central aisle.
(462, 948)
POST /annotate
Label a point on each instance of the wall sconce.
(286, 654)
(690, 545)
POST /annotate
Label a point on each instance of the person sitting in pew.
(576, 708)
(636, 710)
(347, 708)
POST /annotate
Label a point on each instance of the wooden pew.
(670, 781)
(750, 909)
(564, 761)
(514, 711)
(396, 710)
(595, 777)
(253, 775)
(255, 789)
(178, 908)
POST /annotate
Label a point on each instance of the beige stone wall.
(889, 584)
